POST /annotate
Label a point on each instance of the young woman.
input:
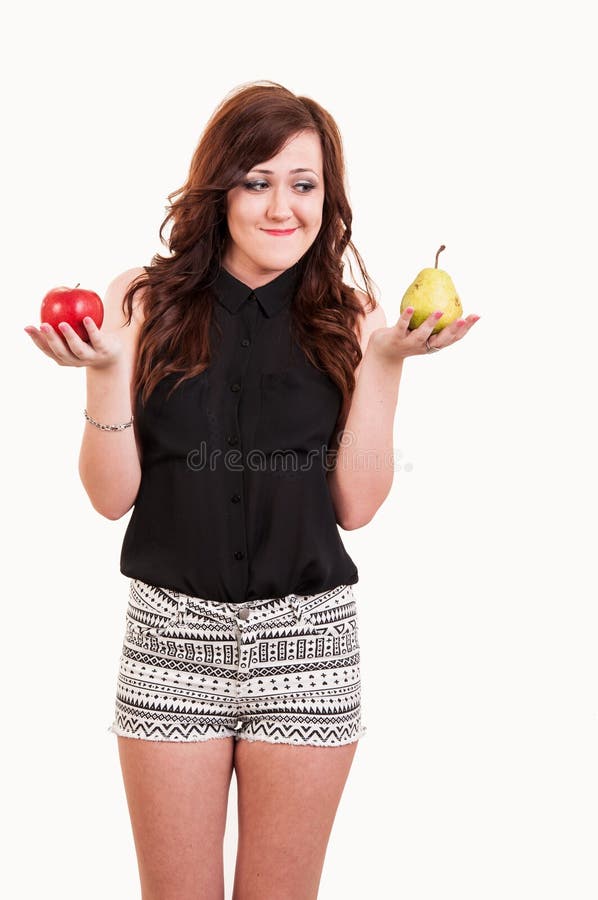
(241, 397)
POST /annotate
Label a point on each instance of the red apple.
(64, 304)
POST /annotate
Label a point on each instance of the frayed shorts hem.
(239, 736)
(122, 732)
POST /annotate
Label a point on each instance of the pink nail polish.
(438, 314)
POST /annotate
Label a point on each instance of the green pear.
(433, 289)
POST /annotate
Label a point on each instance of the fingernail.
(438, 314)
(409, 309)
(460, 322)
(475, 318)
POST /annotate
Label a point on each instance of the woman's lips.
(276, 232)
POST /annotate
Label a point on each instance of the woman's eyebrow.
(291, 171)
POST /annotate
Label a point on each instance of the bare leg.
(287, 798)
(177, 794)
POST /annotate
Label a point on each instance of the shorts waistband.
(269, 607)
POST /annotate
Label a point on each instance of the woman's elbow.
(359, 517)
(108, 512)
(107, 507)
(352, 524)
(114, 515)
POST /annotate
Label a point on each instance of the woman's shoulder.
(114, 315)
(374, 316)
(116, 319)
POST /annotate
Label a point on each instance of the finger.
(453, 332)
(425, 334)
(57, 345)
(402, 323)
(96, 336)
(457, 329)
(471, 320)
(78, 347)
(39, 340)
(426, 328)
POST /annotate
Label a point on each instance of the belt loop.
(181, 609)
(296, 605)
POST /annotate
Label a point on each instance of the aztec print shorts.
(281, 670)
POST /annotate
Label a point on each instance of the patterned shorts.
(282, 670)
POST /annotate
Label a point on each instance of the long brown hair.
(252, 124)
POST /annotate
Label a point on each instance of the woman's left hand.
(395, 343)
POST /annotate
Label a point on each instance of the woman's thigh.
(288, 798)
(177, 794)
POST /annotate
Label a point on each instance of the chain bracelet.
(107, 427)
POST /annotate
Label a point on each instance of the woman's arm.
(363, 474)
(364, 469)
(109, 461)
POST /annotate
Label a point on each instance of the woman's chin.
(276, 261)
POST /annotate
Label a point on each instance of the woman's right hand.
(105, 349)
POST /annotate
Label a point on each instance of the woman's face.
(289, 196)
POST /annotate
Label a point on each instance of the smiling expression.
(283, 194)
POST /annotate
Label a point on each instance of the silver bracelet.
(107, 427)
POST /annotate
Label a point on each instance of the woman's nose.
(279, 207)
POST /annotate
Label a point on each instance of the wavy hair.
(252, 124)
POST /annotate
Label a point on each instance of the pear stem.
(78, 283)
(438, 254)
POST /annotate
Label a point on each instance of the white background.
(464, 123)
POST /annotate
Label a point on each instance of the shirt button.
(232, 440)
(235, 387)
(235, 498)
(239, 555)
(245, 342)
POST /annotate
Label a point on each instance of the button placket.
(238, 385)
(242, 616)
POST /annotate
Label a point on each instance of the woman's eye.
(252, 185)
(305, 186)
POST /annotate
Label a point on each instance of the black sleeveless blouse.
(234, 503)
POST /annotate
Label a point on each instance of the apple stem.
(78, 283)
(438, 254)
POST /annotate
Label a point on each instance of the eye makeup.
(306, 186)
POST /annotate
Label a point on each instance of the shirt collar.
(272, 296)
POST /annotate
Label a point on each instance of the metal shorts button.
(243, 613)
